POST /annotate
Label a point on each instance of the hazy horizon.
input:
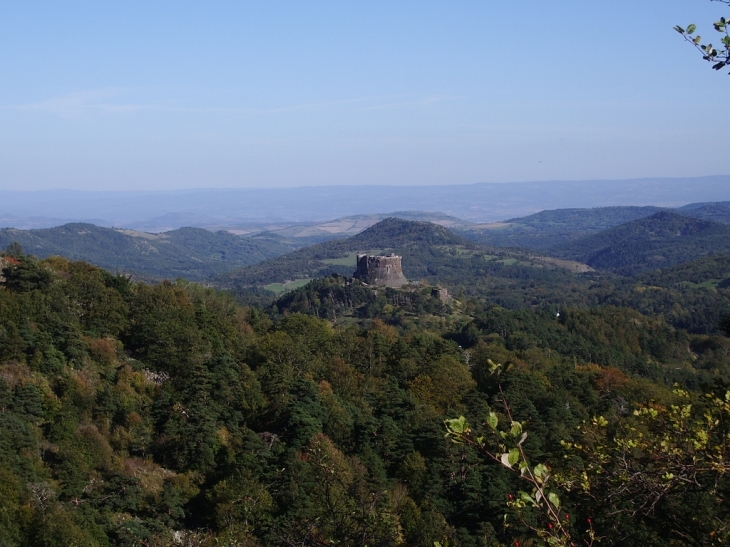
(481, 202)
(373, 184)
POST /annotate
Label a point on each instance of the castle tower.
(380, 270)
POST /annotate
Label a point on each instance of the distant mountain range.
(165, 210)
(620, 240)
(192, 253)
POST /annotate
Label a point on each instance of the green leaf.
(514, 456)
(458, 425)
(541, 472)
(691, 29)
(492, 420)
(505, 460)
(516, 429)
(527, 498)
(679, 29)
(554, 499)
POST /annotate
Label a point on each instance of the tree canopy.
(135, 414)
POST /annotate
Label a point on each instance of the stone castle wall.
(380, 270)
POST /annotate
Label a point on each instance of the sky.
(164, 95)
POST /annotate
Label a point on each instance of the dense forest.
(169, 414)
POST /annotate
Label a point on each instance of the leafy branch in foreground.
(507, 449)
(720, 57)
(658, 476)
(665, 466)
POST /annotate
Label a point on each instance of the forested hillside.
(719, 211)
(662, 240)
(167, 414)
(191, 253)
(549, 228)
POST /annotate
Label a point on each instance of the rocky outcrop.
(442, 294)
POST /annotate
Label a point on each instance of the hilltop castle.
(380, 270)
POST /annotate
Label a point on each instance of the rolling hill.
(718, 211)
(192, 253)
(338, 256)
(429, 251)
(308, 233)
(662, 240)
(549, 228)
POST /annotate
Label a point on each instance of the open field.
(288, 286)
(709, 284)
(349, 260)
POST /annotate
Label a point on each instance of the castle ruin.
(380, 270)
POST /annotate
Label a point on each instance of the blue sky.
(162, 95)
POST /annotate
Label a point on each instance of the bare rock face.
(442, 294)
(380, 270)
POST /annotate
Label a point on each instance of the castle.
(380, 270)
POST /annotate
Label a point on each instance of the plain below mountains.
(192, 253)
(482, 202)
